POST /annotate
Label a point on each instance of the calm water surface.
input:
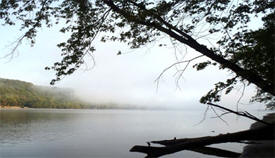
(51, 133)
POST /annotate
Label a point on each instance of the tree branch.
(188, 40)
(177, 63)
(244, 114)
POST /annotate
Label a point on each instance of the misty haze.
(135, 78)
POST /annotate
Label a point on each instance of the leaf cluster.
(139, 22)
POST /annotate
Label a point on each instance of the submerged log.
(171, 146)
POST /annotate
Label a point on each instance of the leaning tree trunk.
(160, 24)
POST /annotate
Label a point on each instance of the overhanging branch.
(244, 114)
(182, 37)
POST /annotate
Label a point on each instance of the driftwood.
(265, 132)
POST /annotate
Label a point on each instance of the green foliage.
(254, 51)
(214, 95)
(246, 52)
(201, 66)
(24, 94)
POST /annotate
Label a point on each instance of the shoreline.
(262, 148)
(12, 107)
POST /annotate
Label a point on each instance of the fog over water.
(52, 133)
(123, 80)
(119, 79)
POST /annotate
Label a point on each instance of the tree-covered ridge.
(25, 94)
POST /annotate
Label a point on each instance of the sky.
(129, 78)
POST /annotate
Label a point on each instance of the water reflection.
(263, 149)
(49, 133)
(19, 126)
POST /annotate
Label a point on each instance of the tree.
(142, 22)
(247, 52)
(24, 94)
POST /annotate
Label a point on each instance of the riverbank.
(13, 107)
(261, 149)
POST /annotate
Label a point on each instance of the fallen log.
(216, 152)
(171, 146)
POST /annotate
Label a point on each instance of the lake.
(53, 133)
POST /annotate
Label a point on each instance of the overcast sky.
(128, 78)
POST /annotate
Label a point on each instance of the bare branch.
(244, 114)
(17, 43)
(218, 116)
(222, 114)
(204, 115)
(237, 105)
(174, 64)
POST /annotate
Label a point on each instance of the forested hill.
(25, 94)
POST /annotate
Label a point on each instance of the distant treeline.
(25, 94)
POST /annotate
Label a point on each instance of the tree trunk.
(161, 25)
(175, 145)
